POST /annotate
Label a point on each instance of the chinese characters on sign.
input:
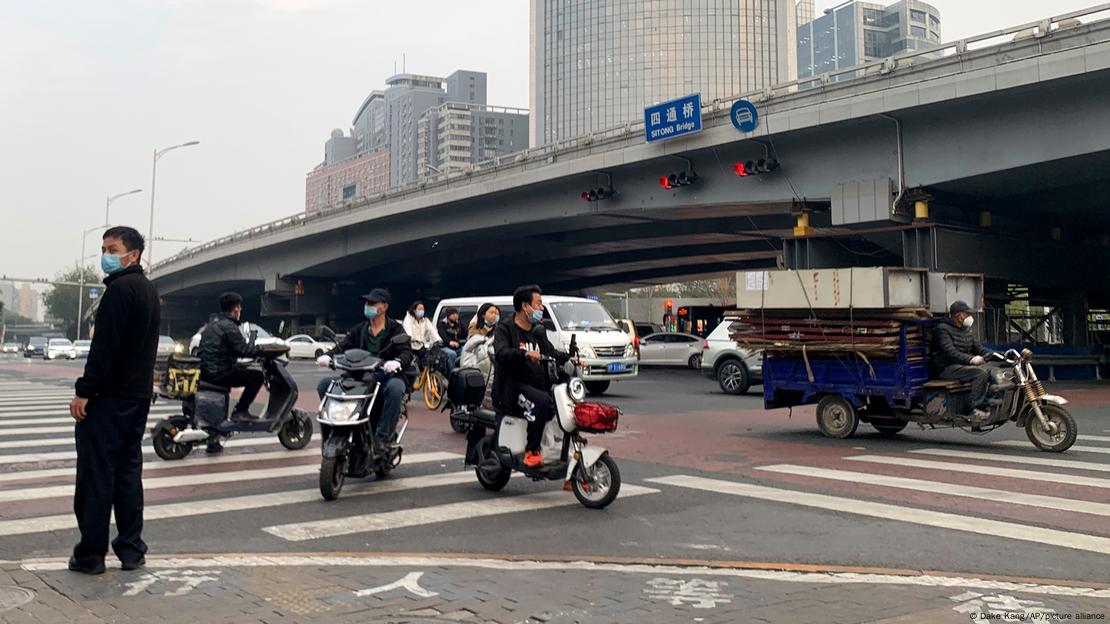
(673, 119)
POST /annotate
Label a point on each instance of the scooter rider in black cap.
(375, 335)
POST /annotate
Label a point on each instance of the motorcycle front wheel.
(602, 489)
(333, 472)
(1065, 429)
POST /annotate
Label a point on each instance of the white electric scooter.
(587, 470)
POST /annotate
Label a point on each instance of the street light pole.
(80, 264)
(153, 178)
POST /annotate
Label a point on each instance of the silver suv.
(735, 369)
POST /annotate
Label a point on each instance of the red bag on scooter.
(596, 417)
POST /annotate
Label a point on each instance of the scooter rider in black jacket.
(958, 355)
(375, 335)
(221, 345)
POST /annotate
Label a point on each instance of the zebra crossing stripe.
(1105, 450)
(1094, 438)
(232, 476)
(53, 419)
(994, 471)
(897, 513)
(65, 455)
(946, 489)
(387, 520)
(1042, 459)
(45, 524)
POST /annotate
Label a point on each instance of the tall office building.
(806, 11)
(859, 32)
(458, 134)
(596, 65)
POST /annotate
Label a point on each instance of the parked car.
(59, 348)
(12, 347)
(82, 348)
(263, 338)
(606, 350)
(305, 346)
(735, 369)
(671, 349)
(36, 347)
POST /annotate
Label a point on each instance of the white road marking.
(45, 524)
(1041, 459)
(1093, 438)
(1074, 449)
(58, 420)
(234, 476)
(428, 562)
(897, 513)
(388, 520)
(946, 489)
(64, 455)
(994, 471)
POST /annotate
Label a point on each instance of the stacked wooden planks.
(874, 333)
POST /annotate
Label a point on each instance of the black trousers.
(539, 405)
(110, 476)
(977, 375)
(249, 379)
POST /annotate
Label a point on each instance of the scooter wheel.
(491, 474)
(603, 489)
(167, 449)
(333, 472)
(296, 433)
(1065, 429)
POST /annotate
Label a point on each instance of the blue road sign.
(673, 119)
(744, 116)
(94, 293)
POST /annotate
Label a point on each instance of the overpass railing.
(712, 110)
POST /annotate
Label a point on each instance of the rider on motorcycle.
(519, 343)
(221, 346)
(375, 335)
(958, 355)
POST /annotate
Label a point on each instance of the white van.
(606, 350)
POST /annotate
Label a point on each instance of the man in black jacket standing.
(111, 408)
(958, 355)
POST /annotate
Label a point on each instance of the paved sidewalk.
(427, 589)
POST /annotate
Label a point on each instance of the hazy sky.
(88, 89)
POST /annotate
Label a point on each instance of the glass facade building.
(597, 63)
(859, 32)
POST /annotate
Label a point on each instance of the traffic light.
(755, 167)
(598, 194)
(676, 180)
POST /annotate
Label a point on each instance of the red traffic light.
(665, 182)
(676, 180)
(740, 169)
(753, 167)
(597, 194)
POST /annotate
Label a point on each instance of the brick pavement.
(294, 589)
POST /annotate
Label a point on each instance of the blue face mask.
(537, 316)
(370, 311)
(419, 314)
(494, 321)
(110, 263)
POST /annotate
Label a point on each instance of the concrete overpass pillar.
(1074, 316)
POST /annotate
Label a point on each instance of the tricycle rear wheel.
(836, 417)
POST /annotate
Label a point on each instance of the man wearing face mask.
(221, 346)
(111, 406)
(375, 335)
(958, 355)
(519, 381)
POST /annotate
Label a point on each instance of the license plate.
(616, 367)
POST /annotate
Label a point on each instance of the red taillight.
(636, 343)
(705, 346)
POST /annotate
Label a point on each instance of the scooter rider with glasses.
(375, 335)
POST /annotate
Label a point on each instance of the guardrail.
(714, 109)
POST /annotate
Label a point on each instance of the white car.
(607, 352)
(671, 349)
(262, 339)
(305, 346)
(59, 348)
(82, 347)
(734, 369)
(12, 347)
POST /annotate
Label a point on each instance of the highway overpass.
(1005, 139)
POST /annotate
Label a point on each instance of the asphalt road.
(708, 477)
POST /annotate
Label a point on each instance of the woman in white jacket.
(420, 330)
(476, 353)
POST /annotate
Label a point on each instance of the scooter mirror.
(401, 339)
